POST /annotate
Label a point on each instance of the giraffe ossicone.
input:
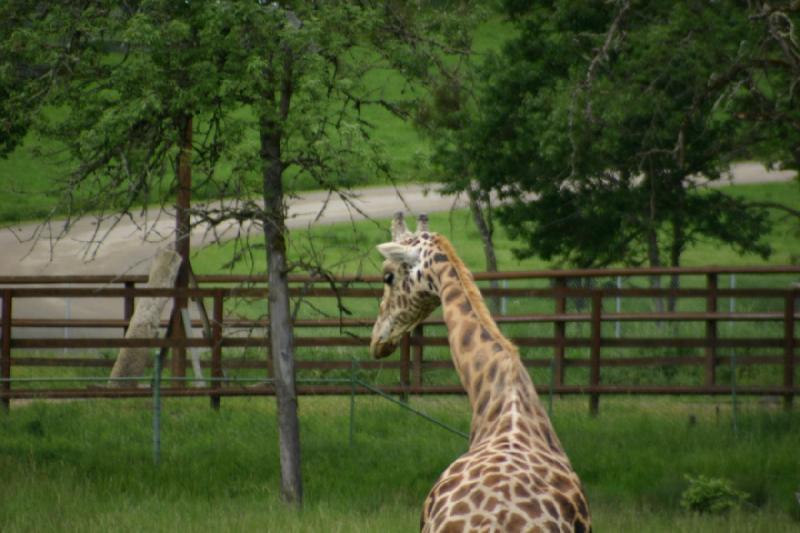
(515, 475)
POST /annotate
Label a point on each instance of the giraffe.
(515, 475)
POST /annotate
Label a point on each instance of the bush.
(711, 495)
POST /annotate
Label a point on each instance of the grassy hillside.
(349, 248)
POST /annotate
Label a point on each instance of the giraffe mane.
(474, 296)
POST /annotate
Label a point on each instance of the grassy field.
(88, 465)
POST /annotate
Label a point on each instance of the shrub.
(711, 495)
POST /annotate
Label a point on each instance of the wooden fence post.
(594, 356)
(789, 348)
(711, 332)
(559, 331)
(216, 348)
(419, 335)
(5, 356)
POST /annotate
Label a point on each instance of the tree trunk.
(482, 215)
(280, 324)
(182, 241)
(144, 324)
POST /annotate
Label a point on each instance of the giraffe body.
(515, 475)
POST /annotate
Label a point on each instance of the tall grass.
(88, 465)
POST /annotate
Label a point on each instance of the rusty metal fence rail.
(600, 350)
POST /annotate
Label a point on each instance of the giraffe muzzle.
(379, 350)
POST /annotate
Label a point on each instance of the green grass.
(88, 465)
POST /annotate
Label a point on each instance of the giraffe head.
(410, 291)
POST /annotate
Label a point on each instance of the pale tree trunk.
(481, 208)
(144, 324)
(280, 322)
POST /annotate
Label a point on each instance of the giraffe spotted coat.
(515, 475)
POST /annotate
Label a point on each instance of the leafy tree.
(594, 123)
(759, 83)
(442, 117)
(251, 95)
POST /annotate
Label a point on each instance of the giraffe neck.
(488, 364)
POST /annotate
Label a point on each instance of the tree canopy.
(599, 125)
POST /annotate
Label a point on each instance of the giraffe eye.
(388, 278)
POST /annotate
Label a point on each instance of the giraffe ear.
(399, 253)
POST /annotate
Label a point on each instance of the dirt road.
(128, 247)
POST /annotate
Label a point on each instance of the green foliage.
(593, 122)
(711, 495)
(315, 79)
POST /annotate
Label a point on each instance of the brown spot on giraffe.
(515, 475)
(448, 485)
(462, 492)
(454, 526)
(515, 523)
(452, 295)
(550, 507)
(561, 482)
(531, 507)
(466, 336)
(460, 508)
(483, 402)
(521, 492)
(565, 506)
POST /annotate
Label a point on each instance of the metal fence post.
(734, 399)
(5, 356)
(157, 410)
(789, 348)
(353, 367)
(618, 324)
(711, 331)
(559, 331)
(594, 356)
